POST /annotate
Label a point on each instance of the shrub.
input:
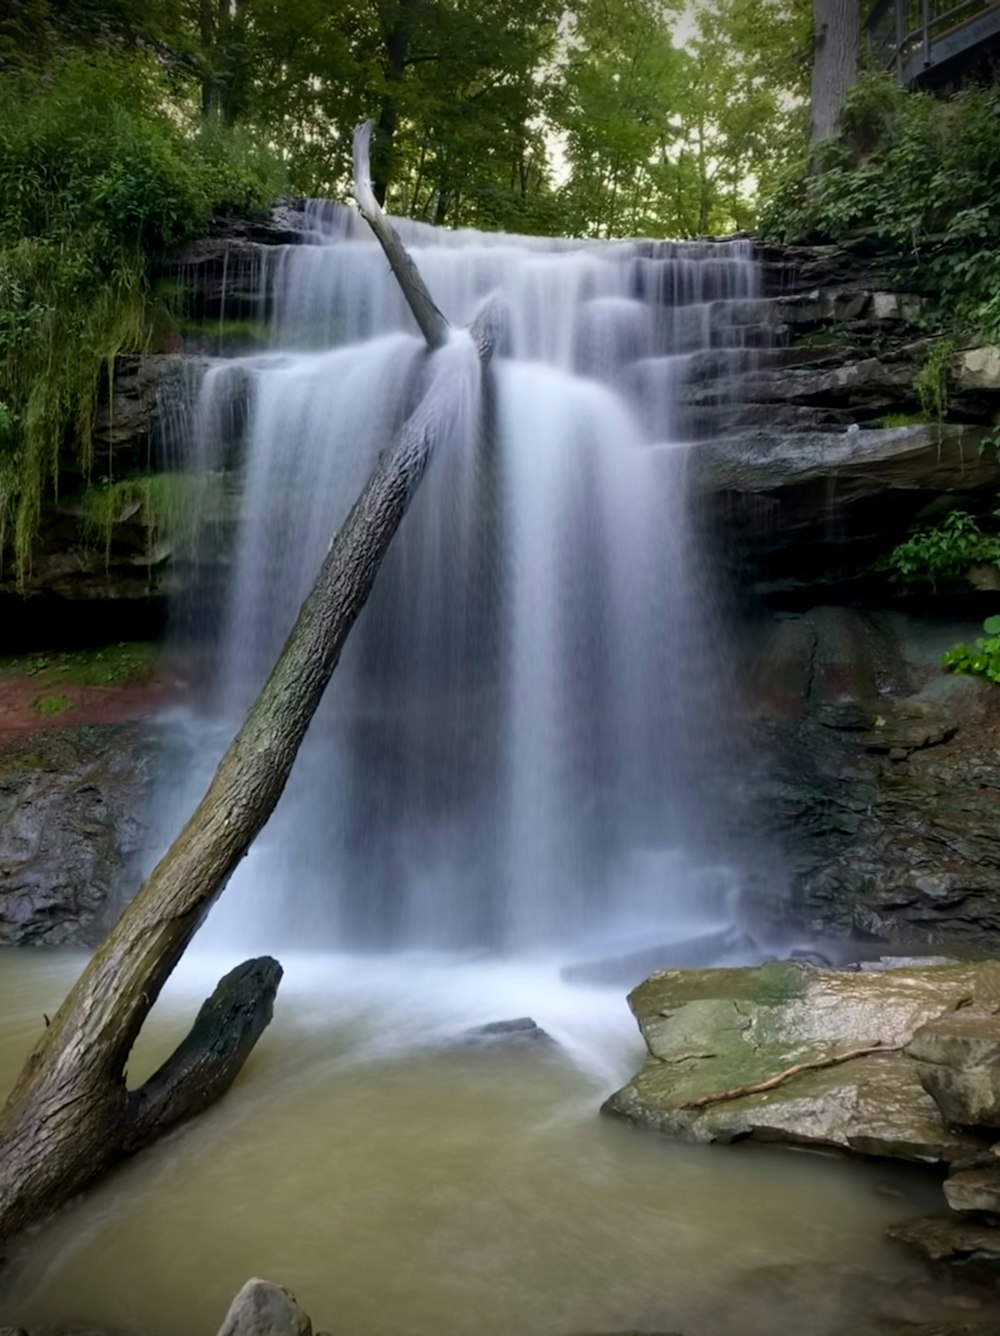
(921, 172)
(99, 174)
(948, 548)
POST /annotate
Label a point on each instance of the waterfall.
(524, 744)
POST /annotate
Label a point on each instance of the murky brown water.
(402, 1188)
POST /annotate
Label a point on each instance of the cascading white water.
(521, 745)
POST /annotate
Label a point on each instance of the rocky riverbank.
(894, 1058)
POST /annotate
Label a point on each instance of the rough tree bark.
(836, 35)
(70, 1115)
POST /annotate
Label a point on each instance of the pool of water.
(403, 1184)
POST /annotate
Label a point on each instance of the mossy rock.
(712, 1031)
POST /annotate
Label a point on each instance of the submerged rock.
(958, 1062)
(263, 1309)
(952, 1240)
(715, 1031)
(515, 1031)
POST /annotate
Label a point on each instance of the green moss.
(229, 335)
(165, 504)
(106, 665)
(13, 758)
(52, 704)
(777, 982)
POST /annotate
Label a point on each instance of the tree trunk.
(70, 1115)
(836, 35)
(395, 53)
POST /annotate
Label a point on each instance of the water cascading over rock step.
(528, 739)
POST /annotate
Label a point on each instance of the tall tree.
(836, 36)
(621, 81)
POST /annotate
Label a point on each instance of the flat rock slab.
(710, 1031)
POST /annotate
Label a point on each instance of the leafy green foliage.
(981, 658)
(922, 173)
(949, 548)
(96, 177)
(669, 138)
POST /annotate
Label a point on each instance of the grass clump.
(49, 705)
(892, 420)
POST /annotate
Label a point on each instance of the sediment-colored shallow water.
(404, 1186)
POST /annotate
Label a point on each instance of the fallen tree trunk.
(71, 1116)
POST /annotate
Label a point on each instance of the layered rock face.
(879, 774)
(805, 474)
(73, 823)
(77, 588)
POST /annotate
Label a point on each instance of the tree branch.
(759, 1087)
(433, 325)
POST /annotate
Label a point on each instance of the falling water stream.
(522, 745)
(527, 758)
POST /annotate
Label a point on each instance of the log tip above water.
(208, 1060)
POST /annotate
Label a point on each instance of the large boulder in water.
(263, 1309)
(714, 1031)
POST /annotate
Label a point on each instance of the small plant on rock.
(981, 658)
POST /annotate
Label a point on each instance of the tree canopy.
(605, 118)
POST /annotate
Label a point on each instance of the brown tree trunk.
(836, 35)
(70, 1115)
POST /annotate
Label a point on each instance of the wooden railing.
(913, 37)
